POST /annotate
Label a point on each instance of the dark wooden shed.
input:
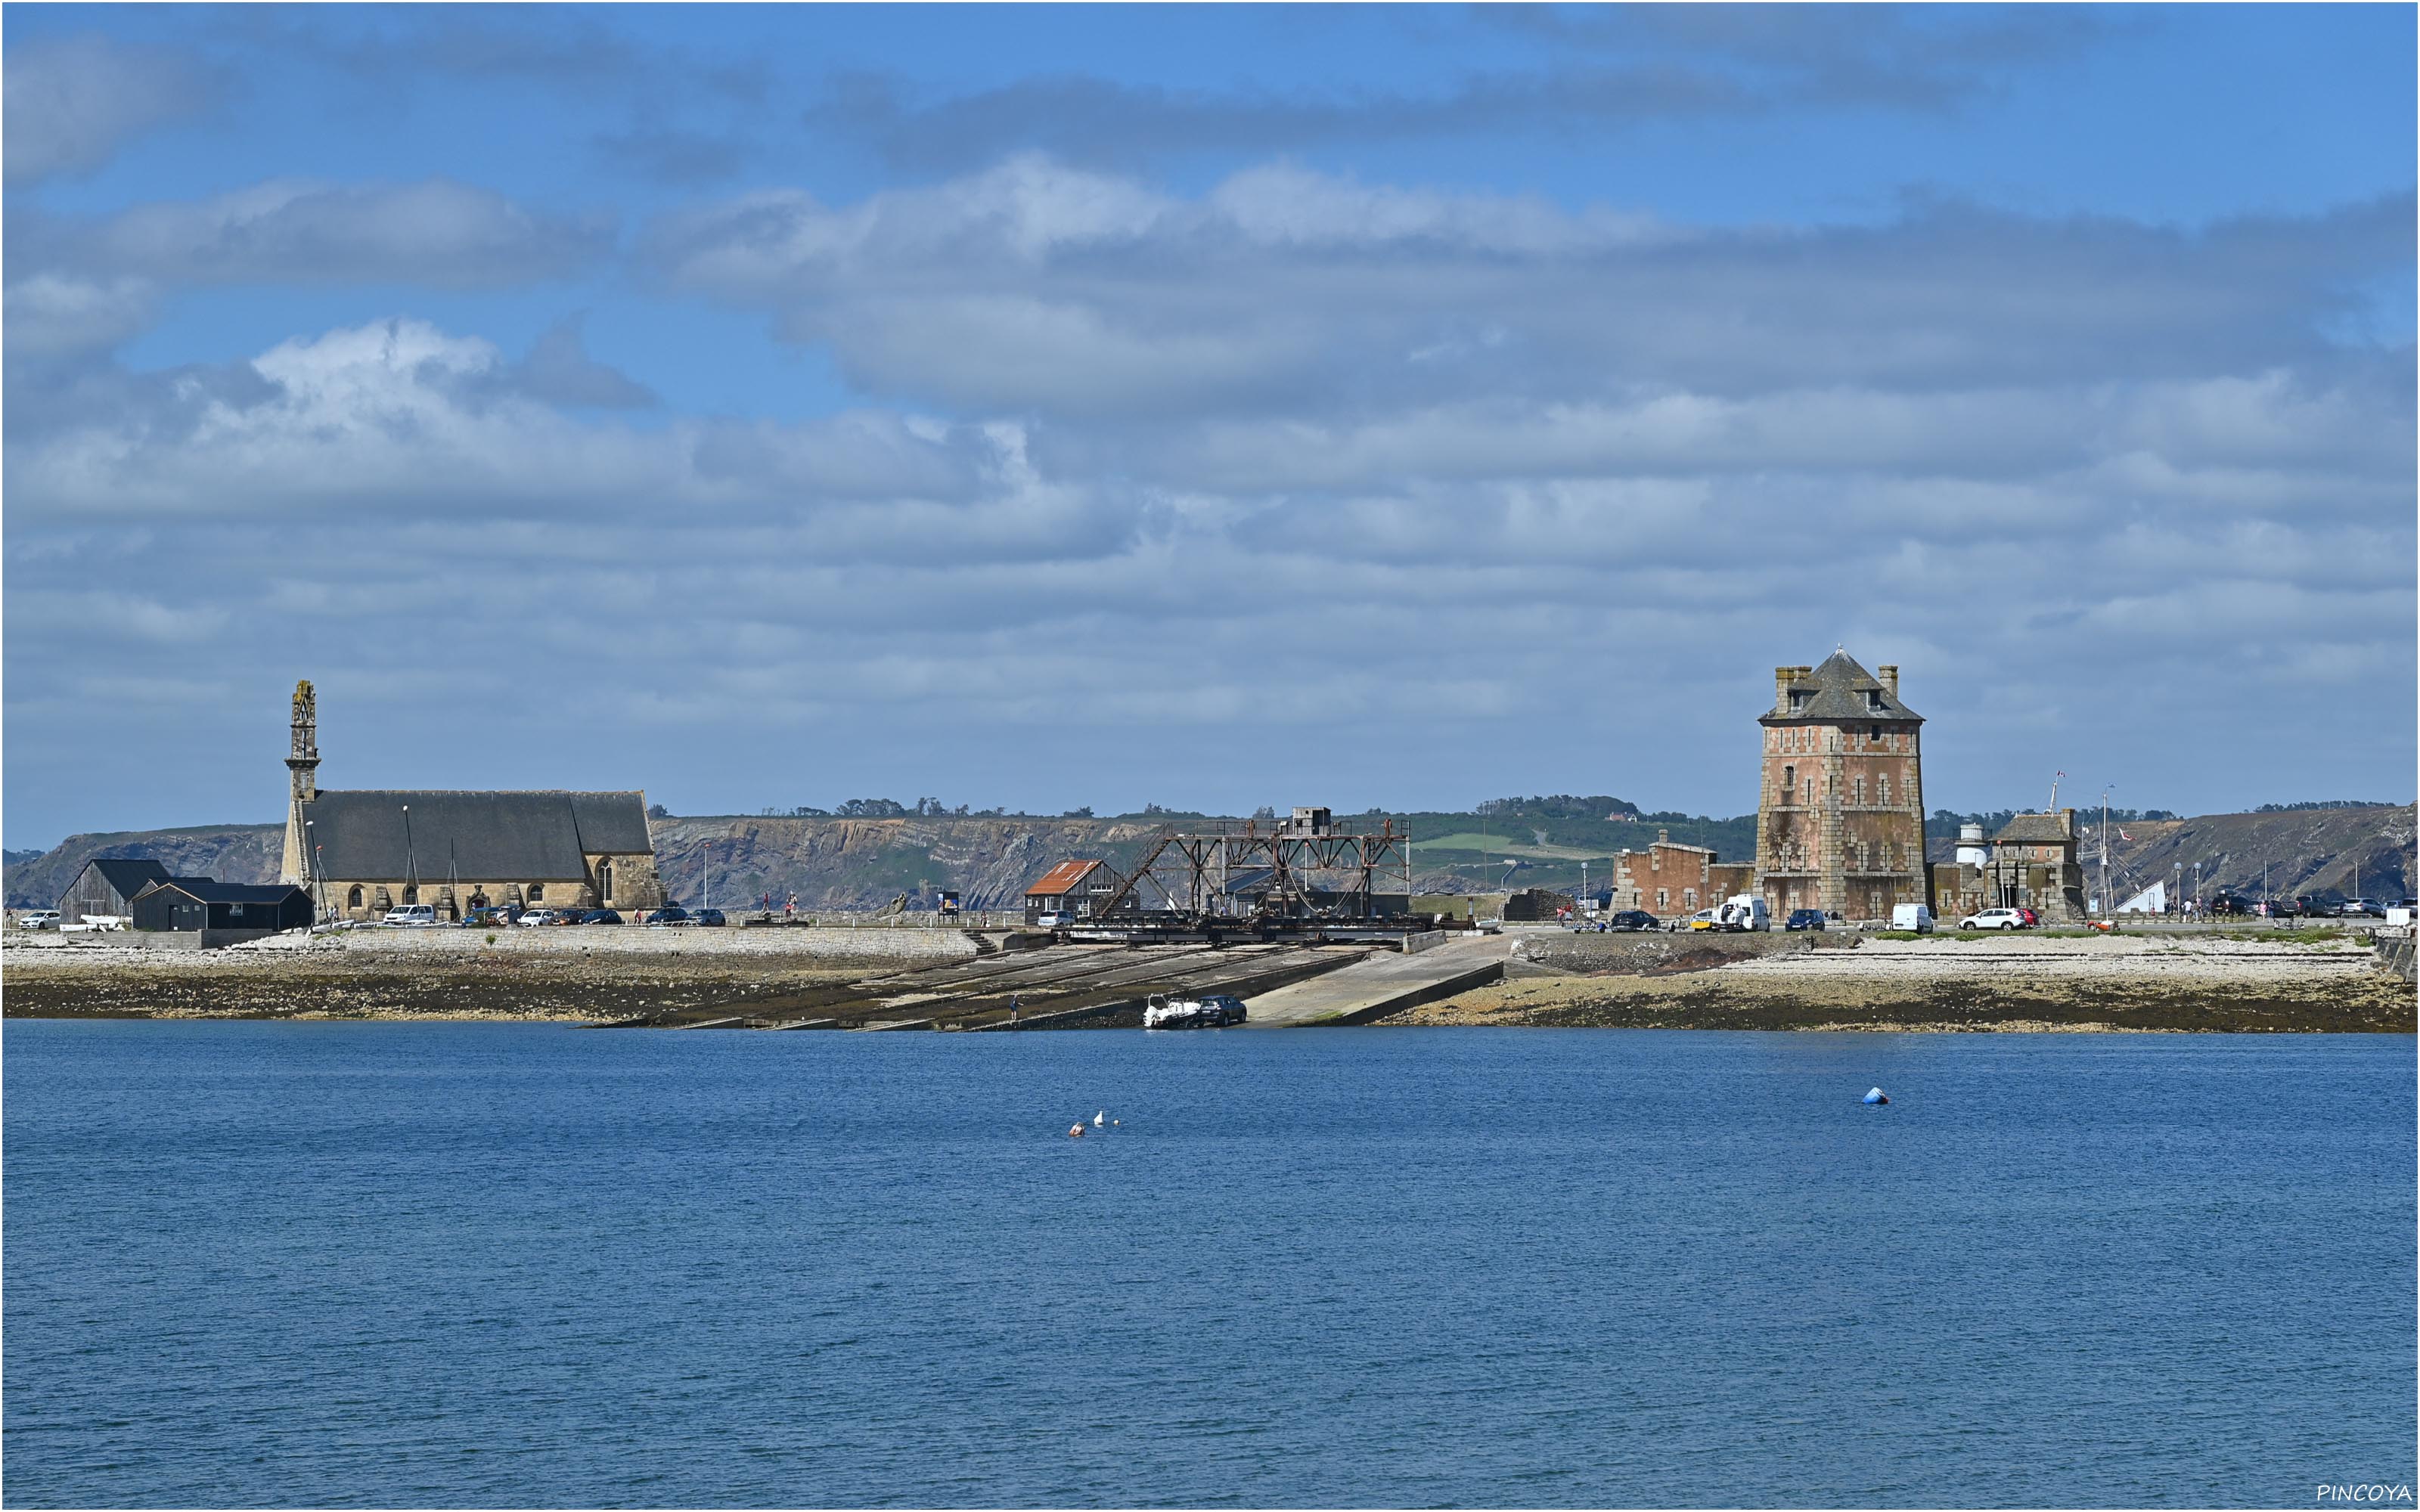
(108, 886)
(186, 904)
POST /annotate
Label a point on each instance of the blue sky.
(1210, 406)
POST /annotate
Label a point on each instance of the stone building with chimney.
(1839, 821)
(2031, 863)
(1672, 880)
(362, 853)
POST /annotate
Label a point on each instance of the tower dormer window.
(1874, 698)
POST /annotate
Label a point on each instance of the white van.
(412, 916)
(1746, 911)
(1914, 917)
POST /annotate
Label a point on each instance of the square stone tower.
(301, 784)
(1839, 817)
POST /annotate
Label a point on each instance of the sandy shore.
(2020, 982)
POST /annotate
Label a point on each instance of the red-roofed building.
(1068, 892)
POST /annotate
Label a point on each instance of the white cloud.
(436, 232)
(50, 314)
(1038, 287)
(70, 103)
(1371, 473)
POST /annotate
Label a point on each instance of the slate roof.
(1838, 689)
(203, 891)
(126, 875)
(1061, 879)
(2037, 829)
(488, 837)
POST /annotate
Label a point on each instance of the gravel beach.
(1837, 981)
(2013, 983)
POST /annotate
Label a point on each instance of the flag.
(2122, 833)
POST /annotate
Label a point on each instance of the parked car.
(1993, 918)
(533, 917)
(600, 916)
(2229, 903)
(39, 918)
(2287, 907)
(1706, 919)
(411, 916)
(1631, 918)
(487, 918)
(1804, 918)
(706, 918)
(668, 914)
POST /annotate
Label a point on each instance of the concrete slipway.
(1378, 985)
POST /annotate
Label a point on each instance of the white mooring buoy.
(1875, 1097)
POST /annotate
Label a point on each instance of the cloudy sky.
(1211, 408)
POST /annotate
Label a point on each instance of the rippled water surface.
(474, 1264)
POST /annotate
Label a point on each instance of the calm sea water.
(445, 1264)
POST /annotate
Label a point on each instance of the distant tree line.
(1942, 824)
(2330, 803)
(1565, 805)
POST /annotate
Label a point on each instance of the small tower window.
(1789, 783)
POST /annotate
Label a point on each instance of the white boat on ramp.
(1213, 1012)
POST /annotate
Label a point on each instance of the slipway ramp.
(1382, 984)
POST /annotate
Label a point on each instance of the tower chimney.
(1889, 674)
(1781, 679)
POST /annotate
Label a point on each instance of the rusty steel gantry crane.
(1306, 869)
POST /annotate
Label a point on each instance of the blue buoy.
(1875, 1098)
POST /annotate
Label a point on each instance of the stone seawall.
(2394, 955)
(405, 946)
(1657, 952)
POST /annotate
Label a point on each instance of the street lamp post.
(410, 861)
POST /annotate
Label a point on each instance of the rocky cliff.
(862, 863)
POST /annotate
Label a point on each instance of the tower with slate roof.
(1840, 820)
(366, 852)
